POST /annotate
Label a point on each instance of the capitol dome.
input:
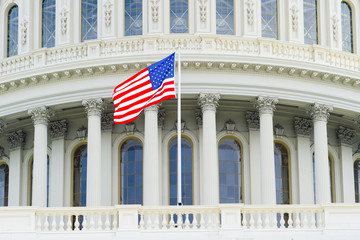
(270, 120)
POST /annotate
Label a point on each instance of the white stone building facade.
(270, 122)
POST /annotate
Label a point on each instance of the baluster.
(77, 224)
(244, 219)
(297, 220)
(149, 223)
(99, 222)
(68, 223)
(282, 220)
(305, 220)
(179, 220)
(195, 222)
(46, 224)
(252, 220)
(210, 220)
(53, 223)
(38, 223)
(273, 219)
(187, 221)
(61, 223)
(91, 217)
(312, 221)
(202, 220)
(217, 218)
(107, 222)
(164, 220)
(267, 221)
(320, 219)
(259, 219)
(142, 222)
(172, 223)
(156, 221)
(290, 220)
(114, 222)
(84, 222)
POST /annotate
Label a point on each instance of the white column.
(302, 128)
(253, 122)
(94, 108)
(40, 116)
(210, 168)
(199, 121)
(346, 136)
(162, 186)
(266, 106)
(57, 131)
(16, 141)
(320, 113)
(151, 157)
(106, 157)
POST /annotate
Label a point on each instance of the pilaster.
(346, 136)
(302, 127)
(58, 130)
(107, 122)
(16, 140)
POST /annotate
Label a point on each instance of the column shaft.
(56, 188)
(151, 158)
(322, 180)
(39, 189)
(268, 190)
(93, 184)
(347, 167)
(106, 175)
(255, 167)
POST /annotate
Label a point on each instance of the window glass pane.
(357, 180)
(331, 170)
(12, 31)
(282, 174)
(347, 27)
(225, 17)
(48, 23)
(186, 172)
(230, 171)
(179, 16)
(79, 176)
(131, 177)
(4, 184)
(310, 22)
(133, 17)
(88, 19)
(269, 18)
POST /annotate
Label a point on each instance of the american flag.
(148, 87)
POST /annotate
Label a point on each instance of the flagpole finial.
(179, 43)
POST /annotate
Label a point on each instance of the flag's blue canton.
(161, 70)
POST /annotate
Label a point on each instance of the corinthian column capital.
(154, 107)
(208, 101)
(345, 135)
(266, 104)
(320, 112)
(40, 115)
(93, 106)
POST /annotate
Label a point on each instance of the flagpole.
(179, 203)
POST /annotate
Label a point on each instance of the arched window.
(79, 176)
(331, 176)
(357, 179)
(131, 172)
(179, 16)
(88, 19)
(310, 22)
(225, 17)
(187, 167)
(282, 174)
(347, 27)
(31, 169)
(230, 171)
(12, 31)
(269, 18)
(133, 17)
(48, 24)
(4, 184)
